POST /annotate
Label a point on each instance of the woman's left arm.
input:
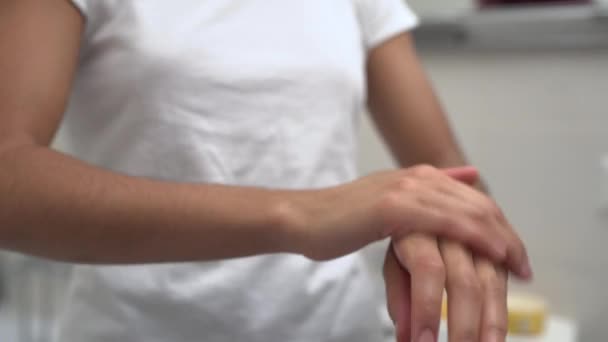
(405, 109)
(409, 116)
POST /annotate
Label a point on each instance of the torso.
(244, 92)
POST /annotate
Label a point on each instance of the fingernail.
(526, 270)
(427, 336)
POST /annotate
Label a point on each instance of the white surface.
(7, 325)
(603, 188)
(558, 330)
(441, 8)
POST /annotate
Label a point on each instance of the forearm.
(55, 206)
(406, 110)
(446, 156)
(426, 139)
(414, 125)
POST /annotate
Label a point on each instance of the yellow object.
(527, 314)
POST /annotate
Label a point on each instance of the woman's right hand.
(336, 221)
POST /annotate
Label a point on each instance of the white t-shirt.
(250, 92)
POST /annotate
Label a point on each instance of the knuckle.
(423, 170)
(406, 184)
(488, 273)
(490, 208)
(451, 222)
(430, 266)
(428, 306)
(494, 286)
(488, 278)
(473, 232)
(478, 213)
(498, 328)
(464, 226)
(467, 284)
(468, 333)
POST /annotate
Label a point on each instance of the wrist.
(288, 223)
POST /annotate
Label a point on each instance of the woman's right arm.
(55, 206)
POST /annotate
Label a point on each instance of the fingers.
(477, 290)
(485, 213)
(420, 255)
(517, 258)
(429, 201)
(464, 293)
(397, 283)
(495, 315)
(440, 215)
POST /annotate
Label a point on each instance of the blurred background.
(525, 84)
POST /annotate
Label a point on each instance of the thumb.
(397, 282)
(465, 174)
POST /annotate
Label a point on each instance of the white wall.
(536, 123)
(433, 8)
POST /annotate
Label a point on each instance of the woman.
(220, 134)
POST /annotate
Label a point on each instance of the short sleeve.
(383, 19)
(94, 12)
(82, 6)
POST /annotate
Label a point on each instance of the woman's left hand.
(416, 271)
